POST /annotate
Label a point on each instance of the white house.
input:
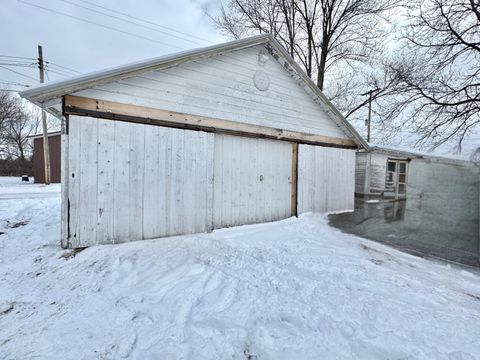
(221, 136)
(393, 173)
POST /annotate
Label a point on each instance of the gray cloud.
(86, 47)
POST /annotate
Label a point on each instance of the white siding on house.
(252, 180)
(223, 87)
(133, 181)
(326, 179)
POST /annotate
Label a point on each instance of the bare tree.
(439, 73)
(319, 34)
(16, 125)
(8, 109)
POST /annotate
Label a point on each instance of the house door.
(396, 179)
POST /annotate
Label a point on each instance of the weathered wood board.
(326, 179)
(129, 181)
(252, 180)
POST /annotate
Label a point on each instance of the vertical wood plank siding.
(134, 181)
(54, 143)
(252, 180)
(326, 179)
(131, 181)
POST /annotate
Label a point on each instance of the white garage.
(221, 136)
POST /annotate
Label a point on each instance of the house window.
(392, 166)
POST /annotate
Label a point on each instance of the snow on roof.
(47, 94)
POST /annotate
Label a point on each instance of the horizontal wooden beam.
(75, 105)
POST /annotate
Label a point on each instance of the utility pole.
(368, 121)
(46, 151)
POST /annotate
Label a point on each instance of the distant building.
(393, 173)
(54, 142)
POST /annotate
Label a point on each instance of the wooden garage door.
(252, 180)
(133, 181)
(326, 179)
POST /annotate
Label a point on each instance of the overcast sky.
(83, 40)
(86, 47)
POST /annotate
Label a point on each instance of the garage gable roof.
(48, 94)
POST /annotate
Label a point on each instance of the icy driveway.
(419, 226)
(295, 289)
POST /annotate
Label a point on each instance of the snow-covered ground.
(294, 289)
(13, 188)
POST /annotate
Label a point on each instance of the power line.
(16, 72)
(30, 63)
(145, 21)
(48, 76)
(97, 24)
(59, 72)
(15, 64)
(17, 57)
(68, 72)
(130, 22)
(13, 61)
(48, 64)
(61, 66)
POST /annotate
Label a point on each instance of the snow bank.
(294, 289)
